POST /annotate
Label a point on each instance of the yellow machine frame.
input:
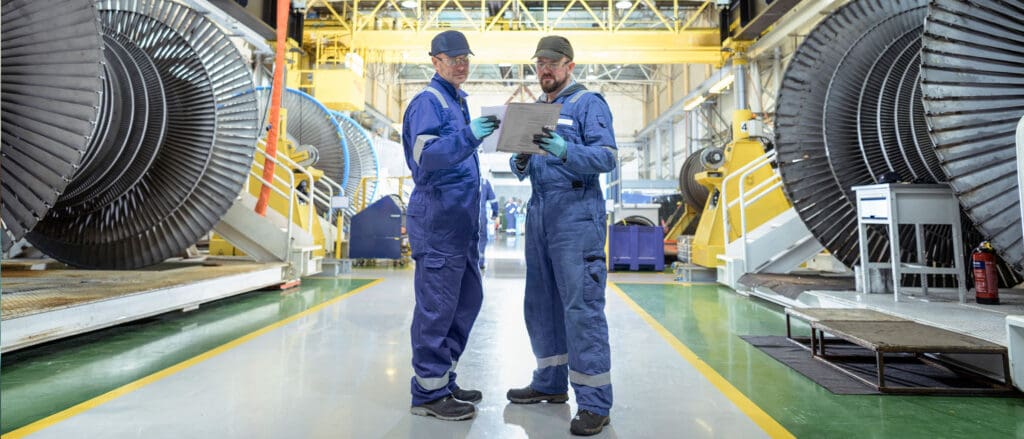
(709, 241)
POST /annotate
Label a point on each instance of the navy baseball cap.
(450, 42)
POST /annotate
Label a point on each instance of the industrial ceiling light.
(623, 4)
(410, 4)
(722, 84)
(693, 103)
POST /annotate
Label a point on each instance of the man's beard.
(555, 86)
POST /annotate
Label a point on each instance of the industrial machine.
(744, 192)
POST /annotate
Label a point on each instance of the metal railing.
(747, 198)
(320, 192)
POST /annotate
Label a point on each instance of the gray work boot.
(447, 408)
(473, 396)
(527, 395)
(588, 423)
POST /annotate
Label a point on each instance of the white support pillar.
(660, 153)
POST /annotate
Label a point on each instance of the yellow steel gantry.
(381, 31)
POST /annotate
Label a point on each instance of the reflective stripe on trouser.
(564, 304)
(448, 298)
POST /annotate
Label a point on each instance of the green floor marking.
(709, 319)
(40, 381)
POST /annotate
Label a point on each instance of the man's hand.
(551, 142)
(521, 160)
(484, 126)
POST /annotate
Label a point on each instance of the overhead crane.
(648, 32)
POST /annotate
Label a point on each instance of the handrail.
(321, 191)
(746, 199)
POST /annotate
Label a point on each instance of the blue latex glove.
(483, 126)
(551, 142)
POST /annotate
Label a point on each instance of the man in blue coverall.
(442, 219)
(565, 260)
(486, 195)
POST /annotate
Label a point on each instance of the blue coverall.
(442, 219)
(486, 194)
(565, 260)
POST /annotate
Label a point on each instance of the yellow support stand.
(709, 241)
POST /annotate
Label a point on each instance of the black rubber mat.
(901, 370)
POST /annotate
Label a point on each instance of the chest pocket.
(567, 128)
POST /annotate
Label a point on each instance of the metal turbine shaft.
(972, 70)
(170, 193)
(311, 126)
(694, 194)
(360, 149)
(52, 72)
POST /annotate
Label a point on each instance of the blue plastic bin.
(636, 246)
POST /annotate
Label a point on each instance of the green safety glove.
(484, 126)
(551, 142)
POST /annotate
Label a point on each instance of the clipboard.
(520, 121)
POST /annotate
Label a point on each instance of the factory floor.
(331, 359)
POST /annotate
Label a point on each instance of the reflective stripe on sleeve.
(421, 142)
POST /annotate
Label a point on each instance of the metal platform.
(41, 303)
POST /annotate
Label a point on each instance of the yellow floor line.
(675, 283)
(137, 384)
(756, 414)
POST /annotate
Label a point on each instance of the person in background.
(565, 260)
(486, 195)
(510, 215)
(442, 217)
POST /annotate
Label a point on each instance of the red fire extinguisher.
(986, 280)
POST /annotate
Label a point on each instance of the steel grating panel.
(365, 163)
(199, 168)
(52, 73)
(973, 86)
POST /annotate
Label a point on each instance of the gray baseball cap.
(554, 47)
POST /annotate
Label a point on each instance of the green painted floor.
(47, 379)
(709, 320)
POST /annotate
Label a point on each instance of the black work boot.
(447, 408)
(588, 423)
(473, 396)
(527, 395)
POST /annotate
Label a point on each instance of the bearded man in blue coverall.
(565, 260)
(442, 219)
(486, 194)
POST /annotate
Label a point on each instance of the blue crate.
(636, 246)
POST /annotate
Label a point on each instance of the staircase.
(779, 245)
(279, 236)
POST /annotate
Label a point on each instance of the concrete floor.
(332, 359)
(343, 371)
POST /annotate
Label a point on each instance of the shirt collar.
(447, 86)
(544, 96)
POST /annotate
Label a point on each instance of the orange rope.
(275, 105)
